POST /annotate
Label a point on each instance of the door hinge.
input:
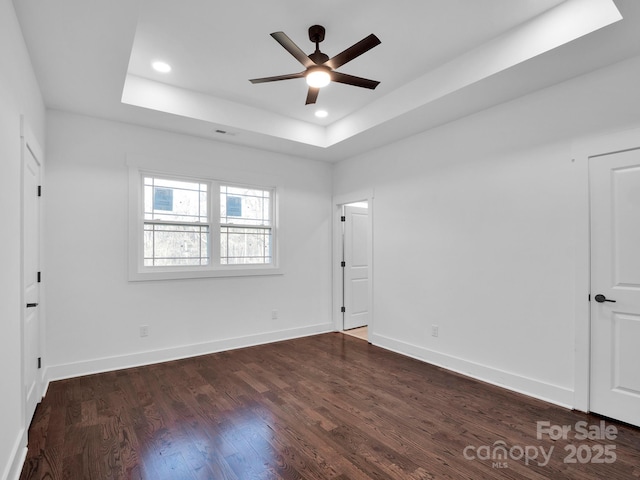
(342, 309)
(39, 190)
(39, 362)
(343, 218)
(39, 277)
(343, 264)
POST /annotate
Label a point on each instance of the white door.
(356, 269)
(615, 285)
(30, 275)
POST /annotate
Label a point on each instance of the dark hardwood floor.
(323, 407)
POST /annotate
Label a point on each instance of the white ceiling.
(438, 60)
(216, 50)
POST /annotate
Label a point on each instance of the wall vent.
(220, 131)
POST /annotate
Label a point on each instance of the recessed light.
(321, 113)
(161, 67)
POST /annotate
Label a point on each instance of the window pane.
(245, 245)
(174, 200)
(175, 245)
(245, 206)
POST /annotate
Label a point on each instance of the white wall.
(19, 94)
(475, 231)
(94, 312)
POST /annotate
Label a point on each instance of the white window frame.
(139, 272)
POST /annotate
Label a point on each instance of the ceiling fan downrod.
(316, 35)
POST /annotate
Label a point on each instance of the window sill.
(221, 272)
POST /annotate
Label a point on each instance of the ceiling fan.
(320, 69)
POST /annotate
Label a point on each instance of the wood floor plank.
(321, 407)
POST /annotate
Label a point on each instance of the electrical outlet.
(434, 330)
(144, 330)
(274, 314)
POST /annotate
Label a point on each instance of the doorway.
(31, 317)
(353, 265)
(614, 184)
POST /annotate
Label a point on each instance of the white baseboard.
(547, 392)
(17, 457)
(99, 365)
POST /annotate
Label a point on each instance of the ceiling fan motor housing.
(318, 57)
(316, 33)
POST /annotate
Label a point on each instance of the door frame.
(338, 202)
(582, 151)
(348, 252)
(28, 141)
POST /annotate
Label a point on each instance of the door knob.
(601, 299)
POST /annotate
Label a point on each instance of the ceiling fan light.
(318, 78)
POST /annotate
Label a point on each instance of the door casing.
(338, 202)
(582, 151)
(31, 147)
(612, 358)
(355, 273)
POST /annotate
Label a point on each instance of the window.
(176, 222)
(178, 233)
(245, 225)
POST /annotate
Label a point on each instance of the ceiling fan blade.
(292, 48)
(353, 51)
(312, 95)
(278, 77)
(355, 81)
